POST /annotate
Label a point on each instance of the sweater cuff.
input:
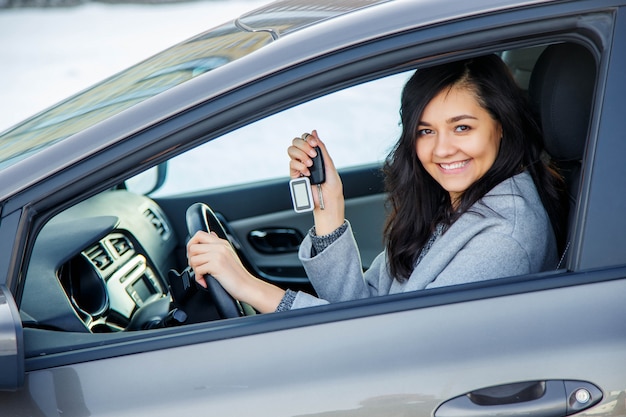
(287, 301)
(319, 243)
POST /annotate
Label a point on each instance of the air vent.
(157, 221)
(120, 244)
(99, 256)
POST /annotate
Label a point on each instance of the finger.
(300, 161)
(328, 161)
(319, 143)
(200, 280)
(196, 250)
(200, 259)
(304, 146)
(199, 237)
(194, 245)
(297, 169)
(311, 139)
(195, 266)
(300, 152)
(307, 142)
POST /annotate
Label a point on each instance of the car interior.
(115, 262)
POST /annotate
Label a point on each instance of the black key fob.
(318, 173)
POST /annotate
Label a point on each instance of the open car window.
(359, 124)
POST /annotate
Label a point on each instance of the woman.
(471, 198)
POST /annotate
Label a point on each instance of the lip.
(453, 167)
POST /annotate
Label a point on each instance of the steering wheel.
(200, 217)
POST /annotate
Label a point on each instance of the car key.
(318, 174)
(300, 187)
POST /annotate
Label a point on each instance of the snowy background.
(48, 54)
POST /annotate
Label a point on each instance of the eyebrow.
(452, 119)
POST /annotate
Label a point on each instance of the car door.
(547, 344)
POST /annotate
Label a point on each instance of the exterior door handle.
(534, 398)
(275, 240)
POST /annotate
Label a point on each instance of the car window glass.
(359, 125)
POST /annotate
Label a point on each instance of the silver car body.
(400, 355)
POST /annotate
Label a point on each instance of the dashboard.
(98, 265)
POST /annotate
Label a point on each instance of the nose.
(444, 145)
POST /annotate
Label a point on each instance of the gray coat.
(506, 233)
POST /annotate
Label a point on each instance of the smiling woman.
(470, 198)
(457, 140)
(495, 156)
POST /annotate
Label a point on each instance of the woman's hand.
(301, 153)
(208, 254)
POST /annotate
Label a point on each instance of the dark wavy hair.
(417, 203)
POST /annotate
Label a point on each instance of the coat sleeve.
(337, 273)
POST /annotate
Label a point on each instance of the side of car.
(541, 339)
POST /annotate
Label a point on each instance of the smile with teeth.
(454, 165)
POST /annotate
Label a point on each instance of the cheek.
(483, 147)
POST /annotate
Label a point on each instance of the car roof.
(192, 71)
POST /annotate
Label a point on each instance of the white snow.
(48, 54)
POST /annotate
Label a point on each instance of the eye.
(424, 132)
(462, 128)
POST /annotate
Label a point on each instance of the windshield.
(166, 70)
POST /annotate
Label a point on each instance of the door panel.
(366, 215)
(397, 364)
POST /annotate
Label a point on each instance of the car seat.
(561, 90)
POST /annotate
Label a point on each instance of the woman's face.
(457, 140)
